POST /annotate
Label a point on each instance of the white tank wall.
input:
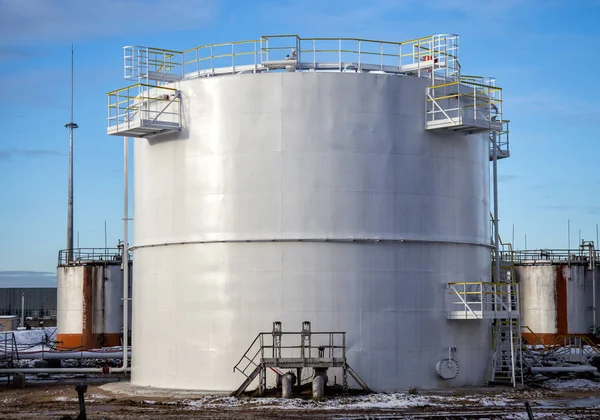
(538, 292)
(69, 295)
(284, 157)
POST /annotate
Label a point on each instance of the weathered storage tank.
(90, 290)
(557, 294)
(291, 184)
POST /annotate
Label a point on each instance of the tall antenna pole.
(71, 126)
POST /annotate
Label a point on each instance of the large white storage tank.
(305, 195)
(89, 298)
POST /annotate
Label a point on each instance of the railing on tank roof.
(84, 255)
(433, 56)
(555, 255)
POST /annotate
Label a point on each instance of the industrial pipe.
(61, 355)
(557, 369)
(125, 257)
(22, 309)
(55, 370)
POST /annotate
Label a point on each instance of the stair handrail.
(245, 355)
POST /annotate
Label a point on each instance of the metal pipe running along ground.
(557, 369)
(61, 355)
(62, 370)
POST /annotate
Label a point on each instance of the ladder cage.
(141, 63)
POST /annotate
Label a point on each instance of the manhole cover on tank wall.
(447, 368)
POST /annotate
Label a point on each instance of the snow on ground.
(34, 339)
(35, 335)
(572, 384)
(365, 402)
(66, 399)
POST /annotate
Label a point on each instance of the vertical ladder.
(507, 361)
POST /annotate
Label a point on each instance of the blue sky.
(543, 53)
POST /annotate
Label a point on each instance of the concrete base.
(125, 387)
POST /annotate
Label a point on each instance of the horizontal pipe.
(61, 355)
(59, 370)
(578, 368)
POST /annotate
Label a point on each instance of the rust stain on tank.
(88, 308)
(562, 325)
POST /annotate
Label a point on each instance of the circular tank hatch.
(447, 368)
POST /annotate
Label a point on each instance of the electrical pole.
(71, 126)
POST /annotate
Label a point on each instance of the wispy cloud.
(508, 177)
(22, 273)
(549, 105)
(10, 52)
(26, 21)
(27, 279)
(567, 207)
(381, 16)
(8, 154)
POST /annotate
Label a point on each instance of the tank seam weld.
(333, 240)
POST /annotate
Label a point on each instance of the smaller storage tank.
(89, 294)
(557, 294)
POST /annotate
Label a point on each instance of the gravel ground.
(53, 399)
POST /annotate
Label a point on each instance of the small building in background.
(40, 304)
(8, 323)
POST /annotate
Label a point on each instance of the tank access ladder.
(497, 301)
(507, 362)
(152, 105)
(502, 142)
(319, 350)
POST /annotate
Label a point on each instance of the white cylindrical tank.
(556, 299)
(89, 307)
(308, 196)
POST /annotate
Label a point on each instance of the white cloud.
(40, 21)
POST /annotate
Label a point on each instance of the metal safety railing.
(81, 255)
(303, 349)
(433, 56)
(152, 63)
(314, 345)
(555, 255)
(502, 141)
(482, 300)
(143, 106)
(464, 103)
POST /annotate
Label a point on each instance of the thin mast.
(71, 126)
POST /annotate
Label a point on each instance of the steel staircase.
(507, 363)
(316, 350)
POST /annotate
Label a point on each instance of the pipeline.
(35, 371)
(557, 369)
(61, 355)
